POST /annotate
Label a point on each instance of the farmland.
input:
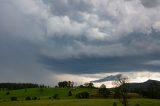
(80, 102)
(64, 99)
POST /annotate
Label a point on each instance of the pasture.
(64, 99)
(80, 102)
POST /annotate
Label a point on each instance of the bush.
(82, 95)
(116, 93)
(14, 98)
(69, 93)
(55, 96)
(114, 104)
(137, 105)
(34, 98)
(28, 98)
(7, 93)
(104, 91)
(50, 97)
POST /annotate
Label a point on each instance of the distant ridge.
(143, 85)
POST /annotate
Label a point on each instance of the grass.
(44, 94)
(81, 102)
(64, 100)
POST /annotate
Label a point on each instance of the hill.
(143, 85)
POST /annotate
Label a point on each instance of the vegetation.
(56, 96)
(14, 98)
(122, 89)
(104, 91)
(151, 91)
(15, 86)
(81, 102)
(148, 89)
(69, 93)
(28, 98)
(78, 96)
(82, 95)
(114, 104)
(66, 84)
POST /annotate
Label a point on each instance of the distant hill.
(143, 85)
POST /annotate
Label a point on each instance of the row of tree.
(151, 91)
(15, 86)
(66, 84)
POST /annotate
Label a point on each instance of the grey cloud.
(81, 36)
(68, 7)
(100, 65)
(153, 62)
(108, 78)
(133, 44)
(60, 36)
(150, 3)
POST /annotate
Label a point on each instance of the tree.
(41, 89)
(103, 86)
(89, 85)
(104, 91)
(66, 84)
(82, 95)
(122, 86)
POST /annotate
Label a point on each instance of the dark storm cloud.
(150, 3)
(78, 36)
(108, 78)
(144, 47)
(99, 65)
(71, 8)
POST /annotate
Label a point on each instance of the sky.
(46, 41)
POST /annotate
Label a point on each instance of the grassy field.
(43, 94)
(64, 99)
(80, 102)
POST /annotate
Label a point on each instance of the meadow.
(64, 99)
(44, 93)
(81, 102)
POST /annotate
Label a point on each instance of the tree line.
(16, 86)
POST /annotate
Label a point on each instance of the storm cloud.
(78, 37)
(109, 78)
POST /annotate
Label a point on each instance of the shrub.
(137, 105)
(34, 98)
(14, 98)
(28, 98)
(114, 104)
(69, 93)
(7, 93)
(55, 96)
(82, 95)
(104, 91)
(50, 97)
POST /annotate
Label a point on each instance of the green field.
(45, 93)
(80, 102)
(64, 99)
